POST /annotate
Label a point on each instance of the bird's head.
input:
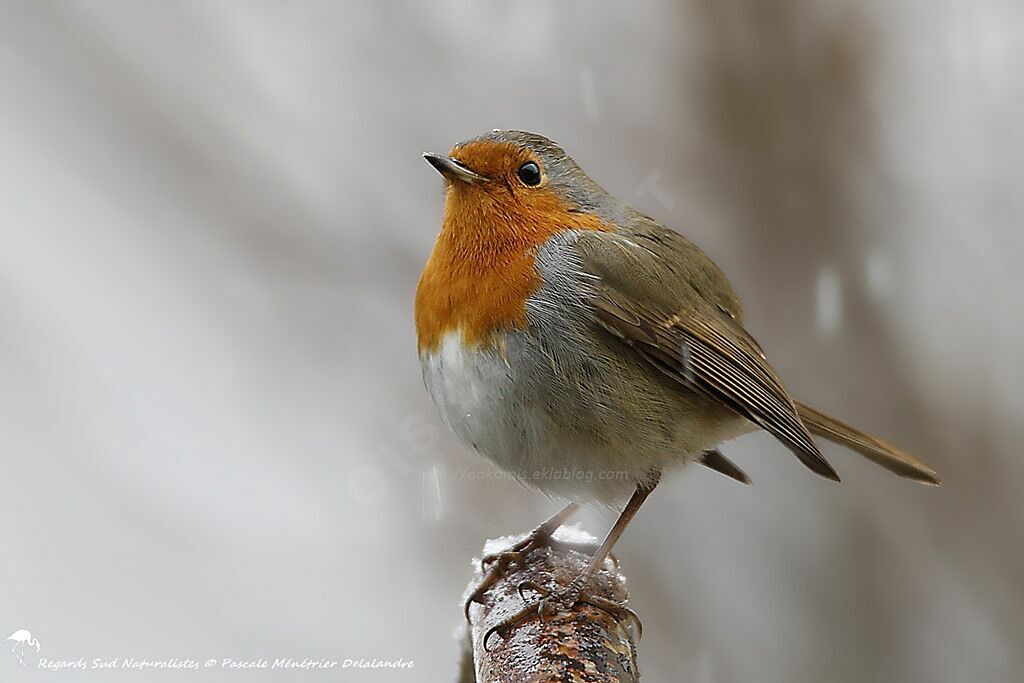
(506, 194)
(514, 187)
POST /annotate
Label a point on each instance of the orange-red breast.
(585, 348)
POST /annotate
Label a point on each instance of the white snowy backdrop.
(214, 438)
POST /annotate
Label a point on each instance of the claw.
(497, 565)
(502, 563)
(469, 603)
(505, 559)
(518, 553)
(552, 603)
(532, 586)
(514, 620)
(615, 610)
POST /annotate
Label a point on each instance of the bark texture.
(585, 645)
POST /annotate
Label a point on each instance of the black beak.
(452, 169)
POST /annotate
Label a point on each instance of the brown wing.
(705, 349)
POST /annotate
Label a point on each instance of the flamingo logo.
(21, 639)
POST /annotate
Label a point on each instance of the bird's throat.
(482, 268)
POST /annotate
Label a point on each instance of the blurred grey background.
(212, 219)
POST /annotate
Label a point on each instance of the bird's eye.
(529, 173)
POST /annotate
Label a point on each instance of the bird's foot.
(497, 565)
(555, 602)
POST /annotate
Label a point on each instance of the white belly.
(493, 407)
(466, 387)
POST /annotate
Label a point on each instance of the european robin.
(562, 332)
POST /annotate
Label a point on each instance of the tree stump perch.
(586, 645)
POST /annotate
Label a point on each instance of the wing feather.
(700, 348)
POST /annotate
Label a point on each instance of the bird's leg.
(497, 564)
(564, 599)
(538, 538)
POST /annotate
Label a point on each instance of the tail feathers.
(714, 459)
(872, 448)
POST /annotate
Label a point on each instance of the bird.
(20, 639)
(560, 330)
